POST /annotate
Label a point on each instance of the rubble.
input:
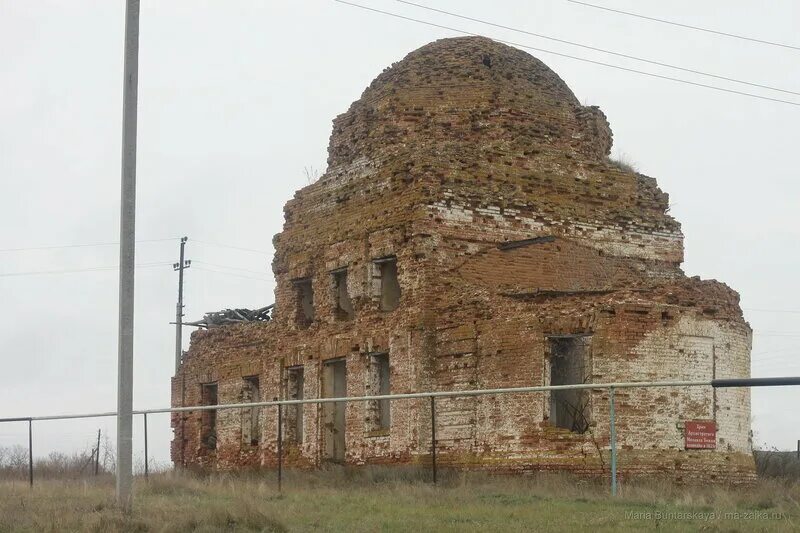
(233, 316)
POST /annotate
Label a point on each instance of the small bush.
(14, 465)
(777, 465)
(623, 163)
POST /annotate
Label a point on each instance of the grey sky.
(237, 97)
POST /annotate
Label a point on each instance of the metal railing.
(279, 404)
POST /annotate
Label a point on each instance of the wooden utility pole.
(180, 266)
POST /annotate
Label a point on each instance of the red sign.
(700, 435)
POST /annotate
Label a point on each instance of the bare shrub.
(108, 457)
(777, 464)
(312, 174)
(622, 162)
(14, 464)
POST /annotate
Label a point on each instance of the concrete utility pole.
(180, 267)
(127, 250)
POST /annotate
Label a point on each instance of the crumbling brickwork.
(471, 232)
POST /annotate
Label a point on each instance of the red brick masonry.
(524, 256)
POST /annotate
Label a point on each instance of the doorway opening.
(334, 385)
(570, 361)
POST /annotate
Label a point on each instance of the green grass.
(343, 501)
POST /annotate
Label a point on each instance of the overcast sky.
(236, 98)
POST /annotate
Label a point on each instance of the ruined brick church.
(472, 232)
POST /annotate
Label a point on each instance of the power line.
(792, 311)
(775, 360)
(231, 274)
(788, 355)
(577, 58)
(778, 351)
(207, 243)
(99, 244)
(689, 26)
(761, 365)
(588, 47)
(262, 272)
(73, 271)
(82, 245)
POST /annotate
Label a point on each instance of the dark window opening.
(569, 365)
(378, 415)
(344, 305)
(388, 283)
(305, 302)
(208, 418)
(251, 418)
(295, 381)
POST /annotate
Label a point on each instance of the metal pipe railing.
(717, 383)
(280, 447)
(407, 396)
(613, 439)
(611, 387)
(146, 465)
(433, 437)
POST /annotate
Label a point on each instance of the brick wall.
(474, 166)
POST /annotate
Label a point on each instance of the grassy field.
(387, 501)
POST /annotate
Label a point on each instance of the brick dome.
(454, 90)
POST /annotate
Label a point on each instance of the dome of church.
(454, 92)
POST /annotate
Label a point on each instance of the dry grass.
(394, 500)
(623, 163)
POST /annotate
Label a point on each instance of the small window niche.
(343, 305)
(208, 418)
(295, 382)
(386, 283)
(378, 415)
(304, 294)
(251, 418)
(570, 363)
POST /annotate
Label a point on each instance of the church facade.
(472, 232)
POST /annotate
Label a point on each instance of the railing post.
(433, 436)
(97, 457)
(280, 447)
(30, 451)
(613, 425)
(146, 466)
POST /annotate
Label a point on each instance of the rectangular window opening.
(569, 365)
(378, 416)
(304, 292)
(388, 282)
(343, 303)
(295, 381)
(251, 418)
(208, 418)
